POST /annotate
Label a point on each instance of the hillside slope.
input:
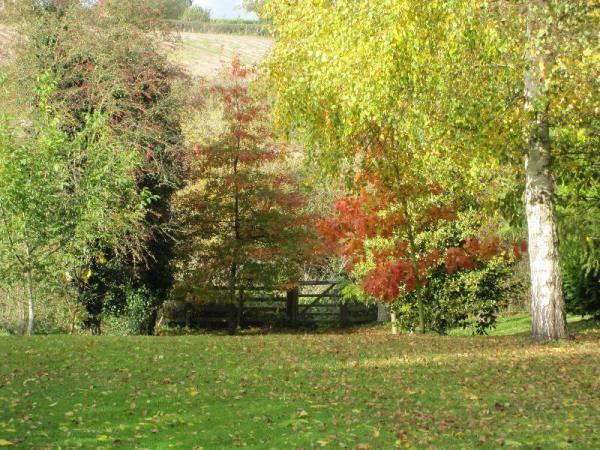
(6, 36)
(204, 54)
(200, 54)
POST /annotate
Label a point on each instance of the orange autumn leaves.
(400, 265)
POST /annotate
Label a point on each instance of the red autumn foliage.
(385, 280)
(375, 212)
(245, 220)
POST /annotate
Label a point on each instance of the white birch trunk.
(30, 321)
(547, 301)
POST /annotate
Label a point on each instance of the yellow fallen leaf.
(102, 438)
(5, 443)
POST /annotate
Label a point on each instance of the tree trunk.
(23, 305)
(547, 301)
(232, 320)
(419, 294)
(383, 313)
(240, 309)
(394, 324)
(29, 278)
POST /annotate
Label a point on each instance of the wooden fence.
(312, 303)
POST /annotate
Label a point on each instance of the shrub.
(467, 299)
(580, 268)
(4, 332)
(142, 306)
(133, 311)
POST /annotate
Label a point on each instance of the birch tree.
(61, 197)
(547, 301)
(479, 81)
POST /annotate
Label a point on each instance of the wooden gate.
(312, 303)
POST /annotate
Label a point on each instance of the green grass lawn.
(520, 324)
(365, 389)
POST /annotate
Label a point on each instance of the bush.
(142, 306)
(580, 266)
(132, 312)
(4, 332)
(116, 325)
(465, 299)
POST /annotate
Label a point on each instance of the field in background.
(362, 390)
(6, 35)
(204, 54)
(200, 54)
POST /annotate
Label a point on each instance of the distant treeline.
(238, 26)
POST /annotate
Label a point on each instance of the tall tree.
(103, 62)
(449, 78)
(63, 196)
(242, 218)
(547, 300)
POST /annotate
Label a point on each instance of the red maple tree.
(387, 226)
(242, 215)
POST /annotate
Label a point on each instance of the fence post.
(292, 307)
(232, 311)
(240, 318)
(343, 314)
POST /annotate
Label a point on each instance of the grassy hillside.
(204, 54)
(5, 38)
(200, 54)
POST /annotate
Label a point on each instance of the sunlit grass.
(367, 389)
(518, 324)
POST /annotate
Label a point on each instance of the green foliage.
(62, 195)
(109, 66)
(465, 299)
(57, 209)
(578, 144)
(142, 305)
(580, 265)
